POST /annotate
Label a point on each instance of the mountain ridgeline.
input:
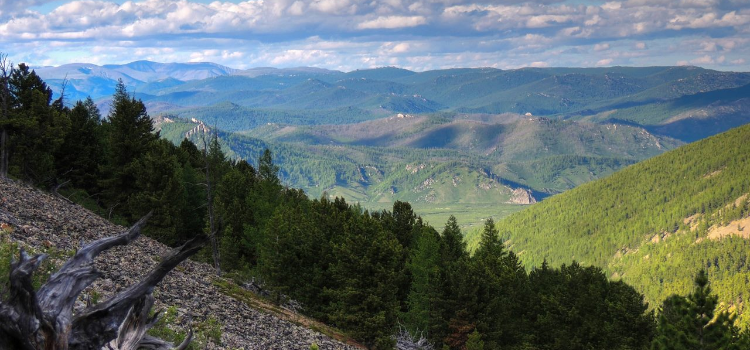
(654, 223)
(433, 138)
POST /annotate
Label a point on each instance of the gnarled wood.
(32, 320)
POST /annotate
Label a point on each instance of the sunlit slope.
(655, 223)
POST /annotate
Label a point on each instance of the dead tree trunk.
(211, 165)
(6, 68)
(44, 320)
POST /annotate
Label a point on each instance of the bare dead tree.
(60, 102)
(44, 320)
(6, 69)
(210, 202)
(405, 340)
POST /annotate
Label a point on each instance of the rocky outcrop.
(42, 221)
(522, 196)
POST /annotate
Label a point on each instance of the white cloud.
(604, 62)
(703, 60)
(708, 46)
(393, 22)
(342, 33)
(338, 7)
(395, 48)
(542, 21)
(601, 47)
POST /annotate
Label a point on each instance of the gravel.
(40, 220)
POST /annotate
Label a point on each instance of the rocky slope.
(42, 221)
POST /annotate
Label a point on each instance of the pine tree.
(691, 323)
(36, 130)
(423, 267)
(80, 155)
(474, 342)
(448, 299)
(159, 189)
(129, 133)
(499, 289)
(366, 257)
(214, 168)
(268, 171)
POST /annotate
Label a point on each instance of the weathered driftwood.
(32, 320)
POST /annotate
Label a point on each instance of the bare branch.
(43, 320)
(101, 321)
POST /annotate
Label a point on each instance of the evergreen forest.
(369, 273)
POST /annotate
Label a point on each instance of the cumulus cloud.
(703, 60)
(393, 22)
(601, 47)
(415, 33)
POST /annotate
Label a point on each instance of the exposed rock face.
(522, 196)
(42, 221)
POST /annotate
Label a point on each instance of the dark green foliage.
(453, 262)
(500, 287)
(81, 153)
(423, 268)
(367, 256)
(692, 322)
(36, 127)
(129, 133)
(576, 307)
(474, 342)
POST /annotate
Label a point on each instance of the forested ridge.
(610, 117)
(366, 273)
(651, 223)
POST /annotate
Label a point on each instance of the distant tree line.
(363, 272)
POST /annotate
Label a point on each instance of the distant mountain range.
(361, 134)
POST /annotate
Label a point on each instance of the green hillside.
(654, 223)
(543, 154)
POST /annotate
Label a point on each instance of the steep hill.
(543, 154)
(45, 223)
(655, 223)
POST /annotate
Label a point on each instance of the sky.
(357, 34)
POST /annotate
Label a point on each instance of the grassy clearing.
(469, 215)
(256, 302)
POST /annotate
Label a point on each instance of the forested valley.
(366, 273)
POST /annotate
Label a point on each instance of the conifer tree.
(447, 302)
(36, 129)
(129, 132)
(214, 168)
(499, 288)
(691, 323)
(366, 256)
(424, 269)
(81, 154)
(474, 342)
